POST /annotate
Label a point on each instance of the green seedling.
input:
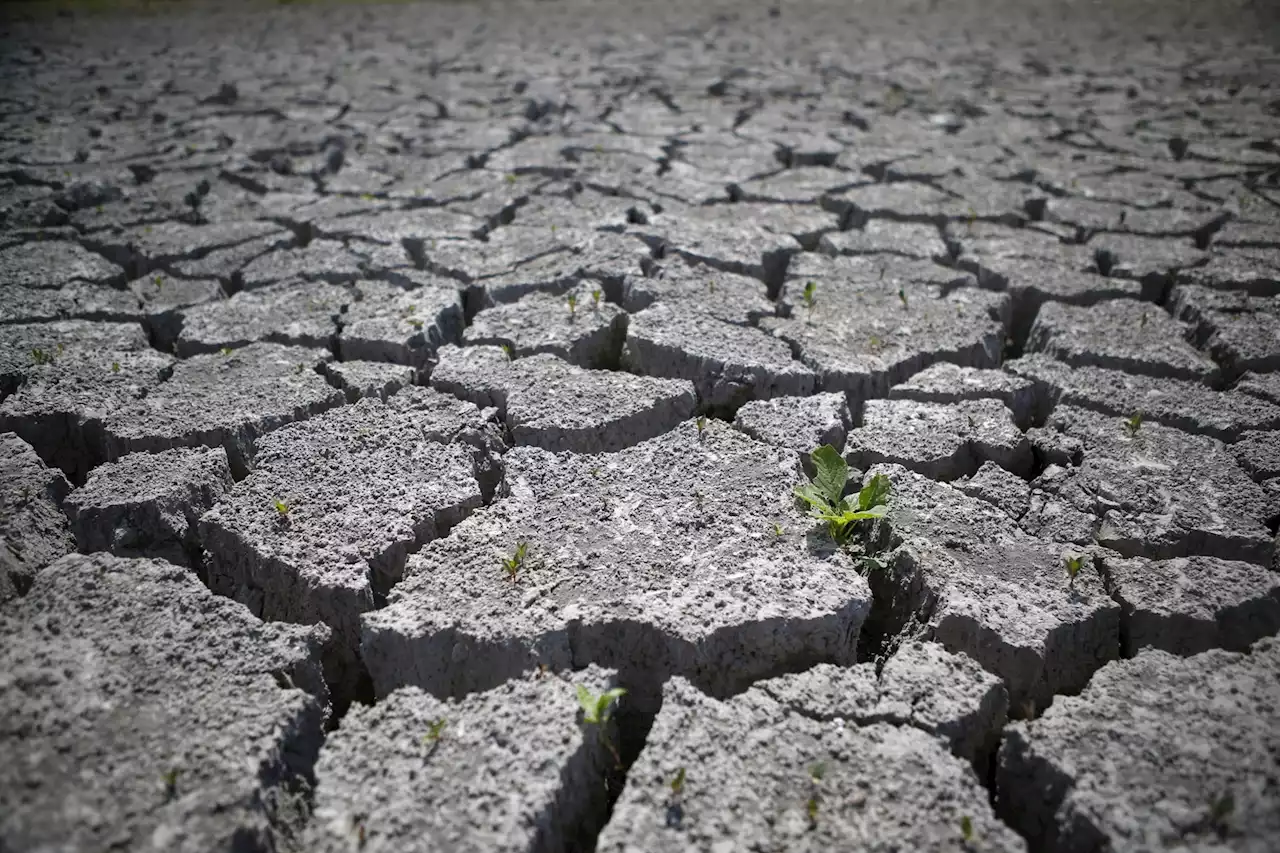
(677, 783)
(810, 296)
(596, 709)
(811, 809)
(595, 299)
(701, 423)
(170, 779)
(366, 196)
(40, 356)
(573, 305)
(1133, 423)
(511, 178)
(299, 367)
(516, 561)
(435, 730)
(966, 828)
(506, 349)
(1220, 810)
(281, 507)
(225, 351)
(417, 324)
(115, 367)
(825, 495)
(1073, 563)
(818, 771)
(778, 530)
(902, 294)
(158, 282)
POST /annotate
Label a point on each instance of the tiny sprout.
(778, 529)
(902, 294)
(158, 282)
(966, 828)
(225, 350)
(281, 507)
(366, 196)
(701, 423)
(595, 709)
(818, 771)
(61, 347)
(677, 783)
(811, 809)
(434, 731)
(506, 349)
(1073, 563)
(516, 561)
(1221, 808)
(573, 304)
(511, 178)
(1133, 423)
(115, 367)
(39, 356)
(810, 292)
(299, 367)
(170, 779)
(595, 299)
(417, 324)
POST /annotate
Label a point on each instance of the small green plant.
(810, 296)
(40, 356)
(701, 424)
(825, 495)
(811, 809)
(510, 178)
(778, 530)
(1073, 564)
(1133, 423)
(170, 780)
(115, 367)
(299, 367)
(966, 828)
(506, 349)
(417, 324)
(902, 294)
(573, 305)
(281, 507)
(158, 282)
(1220, 810)
(595, 299)
(225, 351)
(596, 709)
(435, 730)
(516, 561)
(677, 783)
(816, 774)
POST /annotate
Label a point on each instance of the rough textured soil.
(380, 386)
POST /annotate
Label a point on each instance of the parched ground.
(382, 385)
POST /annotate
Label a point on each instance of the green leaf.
(815, 499)
(966, 828)
(595, 709)
(874, 493)
(832, 472)
(588, 703)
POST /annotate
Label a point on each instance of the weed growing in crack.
(596, 711)
(825, 495)
(597, 708)
(435, 730)
(810, 297)
(1133, 423)
(170, 780)
(507, 351)
(816, 774)
(675, 804)
(573, 305)
(225, 351)
(517, 561)
(1073, 564)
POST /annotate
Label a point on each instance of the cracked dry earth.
(375, 378)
